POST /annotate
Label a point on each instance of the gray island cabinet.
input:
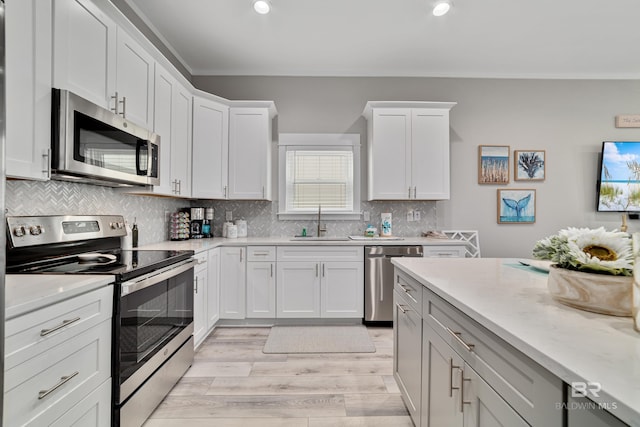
(469, 350)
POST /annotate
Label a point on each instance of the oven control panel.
(39, 230)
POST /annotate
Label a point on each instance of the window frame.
(318, 142)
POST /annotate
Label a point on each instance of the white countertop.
(199, 245)
(29, 292)
(512, 301)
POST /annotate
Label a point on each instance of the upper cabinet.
(181, 143)
(210, 148)
(28, 88)
(100, 62)
(408, 150)
(250, 151)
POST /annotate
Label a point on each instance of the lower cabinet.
(451, 371)
(93, 410)
(298, 289)
(233, 262)
(213, 288)
(261, 282)
(200, 278)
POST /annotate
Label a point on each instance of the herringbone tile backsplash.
(63, 198)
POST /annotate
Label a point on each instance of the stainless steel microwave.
(93, 145)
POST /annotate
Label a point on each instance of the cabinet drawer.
(320, 253)
(261, 253)
(69, 370)
(410, 290)
(444, 251)
(529, 388)
(201, 260)
(38, 331)
(93, 410)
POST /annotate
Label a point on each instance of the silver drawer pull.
(456, 335)
(45, 332)
(462, 401)
(260, 253)
(402, 308)
(451, 368)
(405, 289)
(63, 380)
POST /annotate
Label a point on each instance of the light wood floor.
(232, 384)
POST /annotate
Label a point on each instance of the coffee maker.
(197, 219)
(207, 224)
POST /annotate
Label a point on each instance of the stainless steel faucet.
(321, 229)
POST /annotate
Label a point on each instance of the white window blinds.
(319, 177)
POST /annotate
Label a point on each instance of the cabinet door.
(28, 88)
(483, 407)
(342, 289)
(261, 290)
(134, 81)
(94, 410)
(164, 88)
(181, 142)
(232, 283)
(84, 51)
(210, 149)
(213, 288)
(407, 357)
(199, 304)
(389, 154)
(441, 376)
(429, 160)
(249, 154)
(298, 289)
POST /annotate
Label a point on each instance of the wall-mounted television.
(619, 178)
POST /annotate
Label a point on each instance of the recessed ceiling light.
(262, 6)
(441, 8)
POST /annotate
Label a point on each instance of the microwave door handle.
(139, 145)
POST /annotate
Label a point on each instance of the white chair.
(470, 237)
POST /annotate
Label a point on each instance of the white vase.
(600, 293)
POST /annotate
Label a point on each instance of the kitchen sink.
(319, 239)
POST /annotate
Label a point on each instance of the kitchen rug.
(319, 339)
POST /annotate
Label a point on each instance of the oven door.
(154, 317)
(93, 142)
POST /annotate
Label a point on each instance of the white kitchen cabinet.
(84, 51)
(200, 278)
(320, 282)
(250, 152)
(444, 251)
(64, 349)
(408, 149)
(298, 289)
(232, 282)
(181, 143)
(261, 282)
(213, 288)
(134, 81)
(28, 88)
(210, 149)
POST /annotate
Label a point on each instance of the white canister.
(232, 231)
(242, 227)
(225, 229)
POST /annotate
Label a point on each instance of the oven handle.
(136, 285)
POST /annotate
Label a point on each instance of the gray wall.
(567, 118)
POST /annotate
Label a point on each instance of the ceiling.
(477, 38)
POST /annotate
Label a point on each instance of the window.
(319, 170)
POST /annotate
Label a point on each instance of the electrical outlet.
(416, 215)
(366, 216)
(410, 216)
(228, 216)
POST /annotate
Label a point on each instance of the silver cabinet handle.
(456, 335)
(316, 270)
(124, 107)
(179, 186)
(462, 401)
(45, 332)
(63, 380)
(405, 289)
(263, 191)
(271, 270)
(402, 308)
(46, 157)
(240, 254)
(260, 253)
(115, 103)
(407, 292)
(451, 368)
(225, 191)
(409, 192)
(415, 192)
(196, 284)
(323, 270)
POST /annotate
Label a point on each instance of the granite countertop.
(200, 245)
(512, 301)
(28, 292)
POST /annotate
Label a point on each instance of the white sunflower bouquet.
(589, 250)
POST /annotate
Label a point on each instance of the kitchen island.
(501, 298)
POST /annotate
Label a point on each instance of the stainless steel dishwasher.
(378, 279)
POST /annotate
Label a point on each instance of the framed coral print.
(493, 164)
(517, 206)
(529, 165)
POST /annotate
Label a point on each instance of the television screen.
(619, 180)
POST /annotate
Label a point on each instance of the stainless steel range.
(153, 306)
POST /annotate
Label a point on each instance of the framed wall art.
(517, 206)
(493, 164)
(529, 165)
